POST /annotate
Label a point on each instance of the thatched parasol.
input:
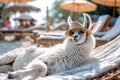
(15, 1)
(24, 17)
(78, 6)
(113, 3)
(21, 8)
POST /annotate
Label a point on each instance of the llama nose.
(75, 36)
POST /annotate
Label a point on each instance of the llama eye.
(80, 31)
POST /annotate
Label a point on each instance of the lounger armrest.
(100, 42)
(99, 33)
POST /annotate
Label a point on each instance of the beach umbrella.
(24, 17)
(113, 3)
(21, 8)
(16, 1)
(78, 6)
(24, 20)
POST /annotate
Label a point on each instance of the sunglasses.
(81, 31)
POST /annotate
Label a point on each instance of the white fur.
(33, 62)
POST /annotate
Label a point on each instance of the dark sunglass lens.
(81, 31)
(71, 33)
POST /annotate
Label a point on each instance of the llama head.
(77, 31)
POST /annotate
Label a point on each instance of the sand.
(6, 46)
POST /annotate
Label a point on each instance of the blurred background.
(52, 9)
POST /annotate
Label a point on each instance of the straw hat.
(75, 25)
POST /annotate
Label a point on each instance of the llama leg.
(22, 73)
(34, 69)
(5, 68)
(9, 57)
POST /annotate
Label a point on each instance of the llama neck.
(90, 43)
(88, 46)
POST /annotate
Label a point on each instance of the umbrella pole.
(70, 13)
(14, 12)
(114, 8)
(47, 20)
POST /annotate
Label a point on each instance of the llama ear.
(87, 21)
(69, 20)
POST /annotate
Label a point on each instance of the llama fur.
(55, 59)
(36, 61)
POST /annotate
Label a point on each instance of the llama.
(33, 62)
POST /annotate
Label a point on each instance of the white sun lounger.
(19, 33)
(101, 24)
(109, 35)
(49, 38)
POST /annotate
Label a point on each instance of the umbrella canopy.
(15, 1)
(113, 3)
(24, 18)
(78, 6)
(21, 8)
(108, 2)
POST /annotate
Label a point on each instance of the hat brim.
(67, 33)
